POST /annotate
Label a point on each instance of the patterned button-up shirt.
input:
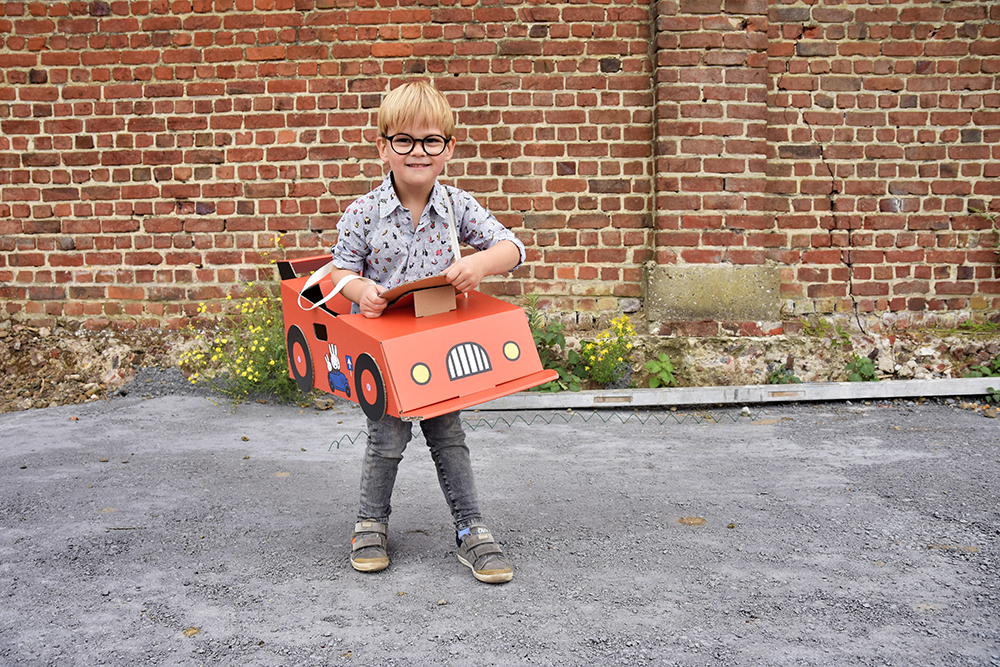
(377, 238)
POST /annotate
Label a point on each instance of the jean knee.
(388, 437)
(445, 430)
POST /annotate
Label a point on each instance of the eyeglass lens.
(403, 144)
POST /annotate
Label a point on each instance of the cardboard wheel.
(370, 387)
(300, 359)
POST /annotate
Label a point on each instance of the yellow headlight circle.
(511, 350)
(420, 373)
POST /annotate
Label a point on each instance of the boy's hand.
(466, 273)
(371, 303)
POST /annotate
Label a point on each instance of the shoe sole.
(491, 578)
(372, 566)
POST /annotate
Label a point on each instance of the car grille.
(467, 359)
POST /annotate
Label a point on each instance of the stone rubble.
(69, 364)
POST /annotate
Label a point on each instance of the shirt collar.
(437, 202)
(389, 201)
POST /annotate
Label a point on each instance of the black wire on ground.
(567, 416)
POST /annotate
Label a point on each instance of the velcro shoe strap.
(475, 539)
(363, 540)
(485, 549)
(480, 548)
(370, 527)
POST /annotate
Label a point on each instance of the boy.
(397, 233)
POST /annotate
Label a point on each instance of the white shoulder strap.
(452, 228)
(317, 276)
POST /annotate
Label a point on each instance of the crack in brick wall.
(889, 94)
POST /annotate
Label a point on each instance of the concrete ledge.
(746, 394)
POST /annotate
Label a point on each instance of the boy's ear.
(383, 146)
(450, 148)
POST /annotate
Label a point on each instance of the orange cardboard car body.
(401, 364)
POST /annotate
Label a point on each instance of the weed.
(782, 375)
(661, 371)
(839, 337)
(978, 327)
(607, 359)
(551, 345)
(988, 370)
(245, 356)
(861, 369)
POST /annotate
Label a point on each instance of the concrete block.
(720, 292)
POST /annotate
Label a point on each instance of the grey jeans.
(388, 438)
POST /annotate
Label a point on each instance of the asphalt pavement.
(176, 530)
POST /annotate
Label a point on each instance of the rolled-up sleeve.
(478, 227)
(352, 246)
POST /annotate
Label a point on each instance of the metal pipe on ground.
(742, 395)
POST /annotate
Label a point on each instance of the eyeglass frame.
(415, 141)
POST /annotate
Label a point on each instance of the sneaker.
(368, 546)
(481, 553)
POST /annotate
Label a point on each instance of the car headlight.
(420, 373)
(511, 350)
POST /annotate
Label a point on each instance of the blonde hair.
(415, 103)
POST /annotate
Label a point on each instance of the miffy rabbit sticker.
(338, 381)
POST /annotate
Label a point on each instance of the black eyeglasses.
(403, 144)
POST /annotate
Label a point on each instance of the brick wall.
(884, 139)
(154, 152)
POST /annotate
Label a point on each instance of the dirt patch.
(66, 365)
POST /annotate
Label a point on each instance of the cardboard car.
(460, 352)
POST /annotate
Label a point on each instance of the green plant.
(861, 369)
(551, 345)
(243, 356)
(782, 375)
(992, 369)
(987, 370)
(661, 371)
(607, 358)
(839, 337)
(978, 327)
(779, 373)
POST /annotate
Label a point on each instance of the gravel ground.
(158, 527)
